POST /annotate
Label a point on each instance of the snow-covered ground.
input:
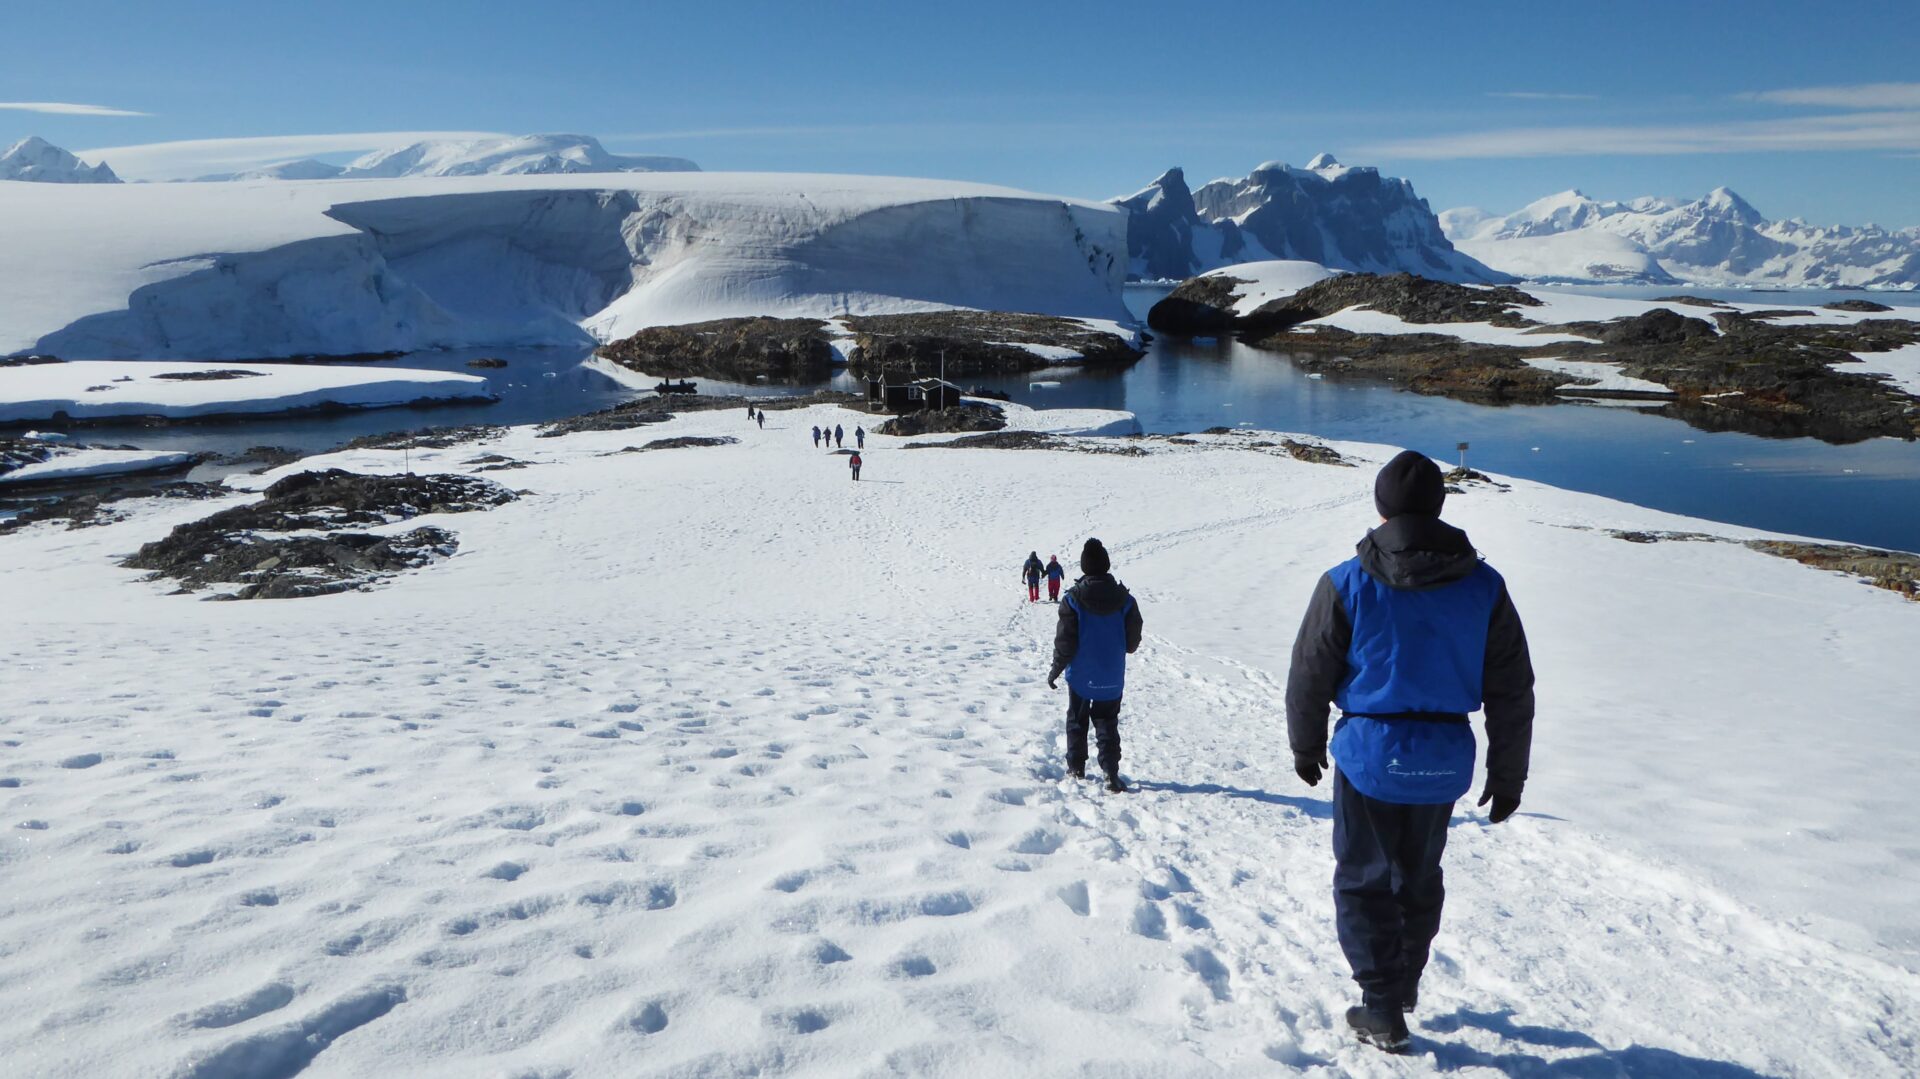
(101, 389)
(254, 269)
(1270, 280)
(712, 762)
(1597, 376)
(1901, 366)
(85, 462)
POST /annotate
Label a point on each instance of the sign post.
(1462, 447)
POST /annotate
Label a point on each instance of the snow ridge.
(1719, 239)
(525, 155)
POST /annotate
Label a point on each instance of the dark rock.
(426, 438)
(680, 443)
(1200, 305)
(939, 421)
(1656, 327)
(1160, 224)
(208, 376)
(972, 343)
(1425, 363)
(1030, 440)
(28, 360)
(1896, 571)
(1690, 301)
(1314, 454)
(96, 507)
(490, 363)
(1856, 305)
(621, 417)
(1414, 299)
(236, 546)
(731, 349)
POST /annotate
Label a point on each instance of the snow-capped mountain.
(1348, 218)
(1720, 239)
(524, 155)
(37, 160)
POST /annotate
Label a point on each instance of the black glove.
(1053, 680)
(1503, 805)
(1309, 767)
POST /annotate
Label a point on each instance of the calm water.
(1865, 493)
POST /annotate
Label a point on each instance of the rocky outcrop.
(729, 349)
(1656, 327)
(941, 421)
(1340, 217)
(1200, 305)
(250, 546)
(1414, 299)
(1856, 305)
(1424, 363)
(91, 508)
(965, 344)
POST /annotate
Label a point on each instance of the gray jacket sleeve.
(1066, 639)
(1319, 663)
(1507, 687)
(1134, 624)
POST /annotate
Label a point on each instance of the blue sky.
(1807, 109)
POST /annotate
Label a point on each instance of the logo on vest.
(1394, 768)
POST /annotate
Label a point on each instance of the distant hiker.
(816, 436)
(1054, 575)
(760, 417)
(1099, 628)
(860, 437)
(749, 411)
(1407, 637)
(839, 435)
(1030, 572)
(854, 463)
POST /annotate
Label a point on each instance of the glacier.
(1719, 239)
(262, 269)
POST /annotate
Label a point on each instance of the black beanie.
(1410, 483)
(1093, 558)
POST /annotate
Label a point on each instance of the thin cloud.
(1541, 95)
(67, 108)
(1888, 130)
(1873, 95)
(797, 131)
(189, 158)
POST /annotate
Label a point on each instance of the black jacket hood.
(1099, 593)
(1415, 552)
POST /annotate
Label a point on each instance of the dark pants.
(856, 472)
(1104, 716)
(1387, 888)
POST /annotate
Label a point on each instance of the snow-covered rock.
(247, 271)
(521, 156)
(66, 463)
(36, 160)
(107, 389)
(1347, 218)
(304, 169)
(1720, 239)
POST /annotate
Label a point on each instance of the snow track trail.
(709, 762)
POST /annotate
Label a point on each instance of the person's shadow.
(1312, 807)
(1633, 1062)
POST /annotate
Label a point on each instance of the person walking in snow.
(1055, 574)
(749, 411)
(1030, 572)
(760, 418)
(854, 463)
(860, 438)
(1407, 637)
(816, 436)
(839, 436)
(1099, 628)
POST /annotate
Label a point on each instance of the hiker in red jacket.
(854, 463)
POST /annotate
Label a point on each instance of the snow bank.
(1596, 376)
(1901, 367)
(761, 777)
(1066, 421)
(1270, 280)
(1362, 320)
(102, 389)
(251, 269)
(86, 462)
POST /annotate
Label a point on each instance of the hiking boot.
(1077, 771)
(1410, 996)
(1114, 784)
(1384, 1029)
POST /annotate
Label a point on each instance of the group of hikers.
(1032, 571)
(1408, 637)
(834, 438)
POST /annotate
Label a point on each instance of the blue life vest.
(1413, 651)
(1098, 671)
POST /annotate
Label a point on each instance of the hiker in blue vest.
(1407, 638)
(1055, 574)
(1099, 628)
(816, 437)
(860, 438)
